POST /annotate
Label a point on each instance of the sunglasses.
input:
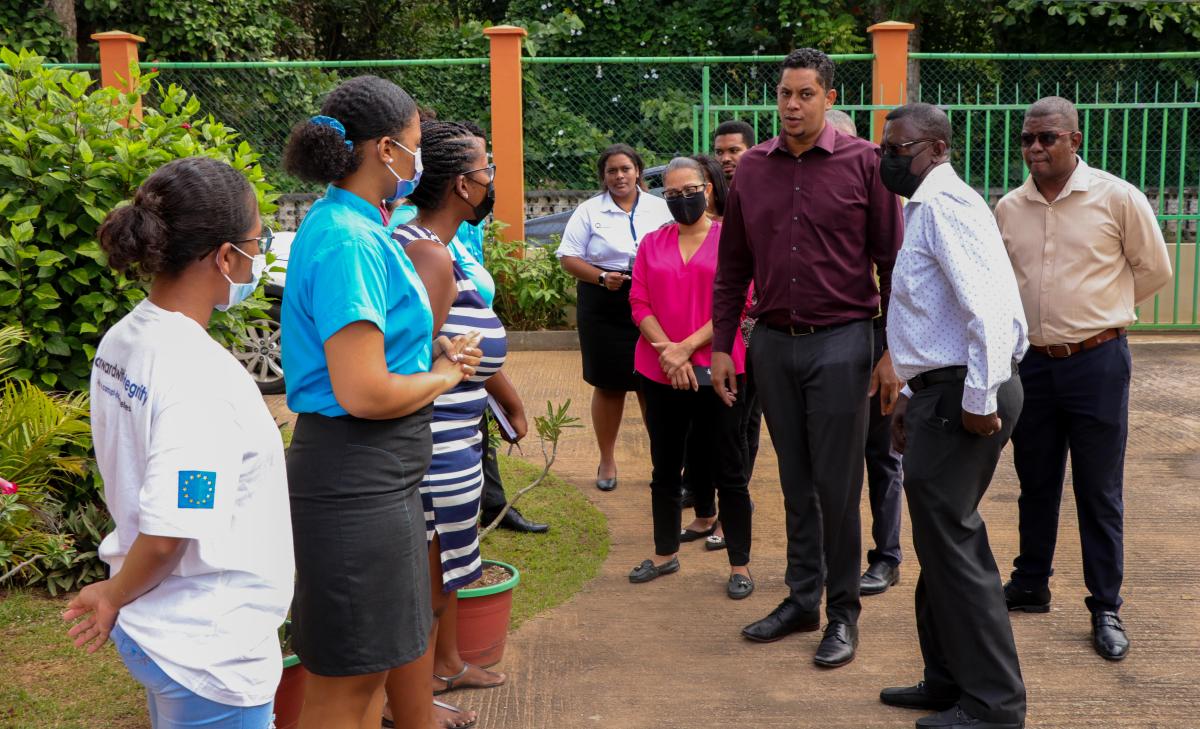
(893, 150)
(264, 241)
(1046, 139)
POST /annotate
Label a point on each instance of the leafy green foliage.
(66, 160)
(35, 28)
(1109, 26)
(212, 30)
(41, 438)
(532, 292)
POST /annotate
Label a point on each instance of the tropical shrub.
(69, 153)
(532, 290)
(43, 436)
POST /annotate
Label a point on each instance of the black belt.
(941, 376)
(799, 330)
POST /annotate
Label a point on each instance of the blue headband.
(335, 125)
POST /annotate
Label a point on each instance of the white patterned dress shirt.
(954, 296)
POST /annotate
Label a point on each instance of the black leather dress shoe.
(516, 521)
(917, 697)
(687, 499)
(1026, 601)
(957, 718)
(838, 646)
(878, 578)
(784, 620)
(1108, 636)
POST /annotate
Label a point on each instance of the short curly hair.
(813, 59)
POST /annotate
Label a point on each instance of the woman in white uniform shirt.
(598, 248)
(192, 461)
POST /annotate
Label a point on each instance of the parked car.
(260, 350)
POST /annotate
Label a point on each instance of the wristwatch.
(600, 279)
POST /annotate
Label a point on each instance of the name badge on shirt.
(197, 489)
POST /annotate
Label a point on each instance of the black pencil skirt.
(607, 337)
(362, 566)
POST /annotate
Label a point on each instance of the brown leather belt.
(1062, 351)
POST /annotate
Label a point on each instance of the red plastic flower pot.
(483, 614)
(289, 697)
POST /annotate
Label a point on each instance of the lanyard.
(632, 229)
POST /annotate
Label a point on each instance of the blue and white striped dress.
(453, 486)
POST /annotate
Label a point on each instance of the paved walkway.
(669, 655)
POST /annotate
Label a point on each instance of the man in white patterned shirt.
(955, 330)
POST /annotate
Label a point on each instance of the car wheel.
(260, 353)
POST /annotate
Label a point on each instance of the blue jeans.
(171, 705)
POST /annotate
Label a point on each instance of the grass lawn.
(48, 683)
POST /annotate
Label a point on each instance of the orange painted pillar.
(118, 50)
(889, 70)
(508, 130)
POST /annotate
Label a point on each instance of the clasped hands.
(675, 358)
(457, 358)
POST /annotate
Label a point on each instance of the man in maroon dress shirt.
(807, 216)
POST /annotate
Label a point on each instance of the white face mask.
(239, 292)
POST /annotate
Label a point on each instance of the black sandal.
(450, 680)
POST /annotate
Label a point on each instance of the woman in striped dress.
(456, 187)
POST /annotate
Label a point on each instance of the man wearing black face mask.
(956, 330)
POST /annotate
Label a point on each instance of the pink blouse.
(678, 294)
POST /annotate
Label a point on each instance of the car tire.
(260, 353)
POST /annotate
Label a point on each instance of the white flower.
(561, 132)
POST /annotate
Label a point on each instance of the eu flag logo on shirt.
(196, 489)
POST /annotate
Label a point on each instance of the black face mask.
(688, 209)
(896, 174)
(484, 208)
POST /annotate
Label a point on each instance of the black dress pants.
(493, 499)
(962, 620)
(699, 481)
(885, 480)
(813, 390)
(673, 419)
(1077, 405)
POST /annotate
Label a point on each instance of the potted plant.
(289, 697)
(485, 606)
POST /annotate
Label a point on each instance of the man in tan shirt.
(1086, 248)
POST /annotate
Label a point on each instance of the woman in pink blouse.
(671, 300)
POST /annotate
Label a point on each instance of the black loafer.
(957, 718)
(838, 646)
(647, 570)
(917, 697)
(784, 620)
(878, 578)
(1022, 600)
(691, 535)
(739, 587)
(714, 543)
(1108, 636)
(687, 499)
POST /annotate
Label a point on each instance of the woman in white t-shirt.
(201, 560)
(598, 248)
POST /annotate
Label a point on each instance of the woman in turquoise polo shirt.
(363, 371)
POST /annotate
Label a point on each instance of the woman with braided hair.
(457, 187)
(363, 370)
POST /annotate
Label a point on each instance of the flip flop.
(450, 681)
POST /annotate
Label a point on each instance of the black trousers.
(813, 390)
(1077, 405)
(885, 480)
(493, 499)
(962, 620)
(697, 480)
(675, 418)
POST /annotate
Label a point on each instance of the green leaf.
(49, 378)
(49, 258)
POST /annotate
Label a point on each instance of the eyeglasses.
(893, 150)
(490, 170)
(1046, 139)
(689, 191)
(264, 241)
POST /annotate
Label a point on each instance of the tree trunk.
(914, 67)
(64, 12)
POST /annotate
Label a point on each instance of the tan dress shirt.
(1085, 260)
